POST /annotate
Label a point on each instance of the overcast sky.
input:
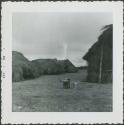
(57, 35)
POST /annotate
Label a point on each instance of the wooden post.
(100, 66)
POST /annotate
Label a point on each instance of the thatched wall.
(103, 47)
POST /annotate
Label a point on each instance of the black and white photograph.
(62, 61)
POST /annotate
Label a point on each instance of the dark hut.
(99, 57)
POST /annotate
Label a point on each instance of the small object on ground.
(75, 84)
(66, 83)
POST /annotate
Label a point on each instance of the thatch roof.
(105, 37)
(21, 67)
(68, 66)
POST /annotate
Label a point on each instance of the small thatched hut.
(21, 67)
(67, 66)
(99, 57)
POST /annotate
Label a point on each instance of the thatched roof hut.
(99, 57)
(68, 66)
(21, 67)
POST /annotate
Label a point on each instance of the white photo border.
(62, 117)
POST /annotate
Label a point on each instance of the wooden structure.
(66, 83)
(100, 56)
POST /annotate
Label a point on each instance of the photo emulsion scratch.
(63, 62)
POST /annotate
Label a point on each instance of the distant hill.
(23, 69)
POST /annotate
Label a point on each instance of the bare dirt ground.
(45, 94)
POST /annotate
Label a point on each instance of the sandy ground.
(45, 94)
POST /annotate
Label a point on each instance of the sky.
(62, 35)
